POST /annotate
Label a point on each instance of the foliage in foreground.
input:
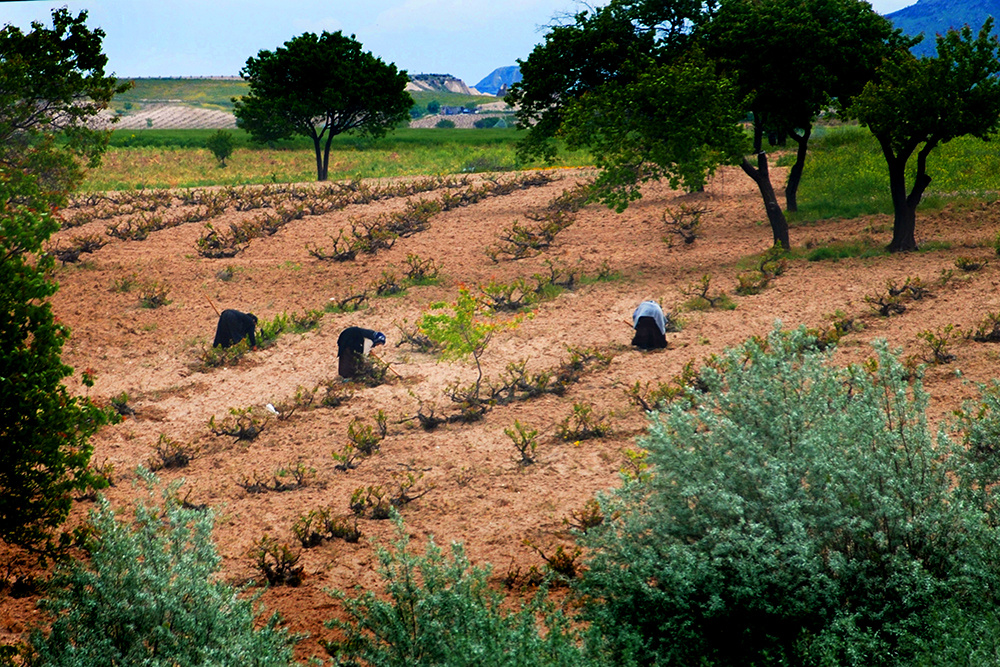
(148, 595)
(799, 513)
(440, 610)
(45, 76)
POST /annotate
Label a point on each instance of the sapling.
(464, 328)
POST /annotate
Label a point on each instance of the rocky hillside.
(439, 82)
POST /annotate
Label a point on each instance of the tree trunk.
(762, 177)
(320, 171)
(326, 156)
(904, 206)
(795, 175)
(775, 216)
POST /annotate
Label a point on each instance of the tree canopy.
(52, 82)
(44, 429)
(319, 87)
(916, 104)
(778, 62)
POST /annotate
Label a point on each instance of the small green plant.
(216, 357)
(403, 485)
(885, 304)
(768, 267)
(421, 271)
(171, 454)
(582, 424)
(588, 517)
(938, 344)
(121, 406)
(525, 441)
(316, 526)
(684, 222)
(365, 438)
(445, 124)
(277, 562)
(988, 330)
(125, 283)
(969, 264)
(700, 299)
(562, 562)
(388, 284)
(153, 294)
(506, 297)
(371, 501)
(242, 424)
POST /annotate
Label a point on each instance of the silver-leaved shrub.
(148, 595)
(799, 512)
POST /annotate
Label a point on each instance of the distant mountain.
(438, 82)
(933, 17)
(499, 78)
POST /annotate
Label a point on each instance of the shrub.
(221, 145)
(525, 441)
(582, 424)
(149, 595)
(445, 124)
(439, 610)
(798, 513)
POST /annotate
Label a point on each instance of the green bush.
(149, 596)
(798, 513)
(445, 124)
(221, 144)
(439, 610)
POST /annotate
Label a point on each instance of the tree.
(149, 595)
(51, 81)
(916, 104)
(433, 107)
(319, 87)
(221, 145)
(780, 62)
(799, 513)
(792, 61)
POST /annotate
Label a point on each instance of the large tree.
(52, 81)
(779, 62)
(793, 60)
(916, 104)
(319, 87)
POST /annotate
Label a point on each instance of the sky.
(194, 38)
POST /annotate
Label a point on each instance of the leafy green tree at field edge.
(319, 87)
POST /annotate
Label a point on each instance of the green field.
(219, 93)
(178, 158)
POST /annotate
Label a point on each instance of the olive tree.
(916, 104)
(320, 86)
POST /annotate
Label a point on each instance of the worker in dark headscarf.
(650, 326)
(233, 327)
(354, 343)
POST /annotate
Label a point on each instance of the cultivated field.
(142, 310)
